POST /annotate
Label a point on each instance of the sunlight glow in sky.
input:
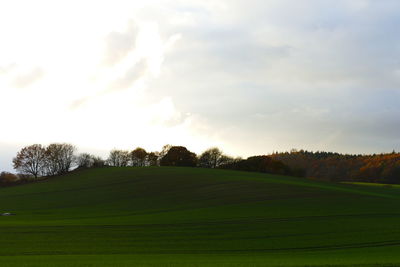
(248, 76)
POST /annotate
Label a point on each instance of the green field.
(373, 184)
(197, 217)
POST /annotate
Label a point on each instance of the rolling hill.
(165, 216)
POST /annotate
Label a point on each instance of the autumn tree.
(179, 156)
(138, 157)
(8, 178)
(163, 151)
(259, 164)
(118, 158)
(59, 158)
(31, 160)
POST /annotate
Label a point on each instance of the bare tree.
(113, 158)
(31, 160)
(118, 158)
(85, 160)
(59, 158)
(98, 162)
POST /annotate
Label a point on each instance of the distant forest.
(376, 168)
(37, 162)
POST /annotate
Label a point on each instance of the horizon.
(104, 154)
(249, 77)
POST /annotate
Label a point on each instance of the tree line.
(376, 168)
(35, 161)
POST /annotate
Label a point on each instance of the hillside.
(196, 217)
(376, 168)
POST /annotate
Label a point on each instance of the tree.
(98, 162)
(224, 159)
(85, 160)
(8, 178)
(118, 158)
(258, 164)
(59, 158)
(179, 156)
(31, 160)
(138, 157)
(164, 151)
(212, 158)
(152, 159)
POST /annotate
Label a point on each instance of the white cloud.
(26, 79)
(118, 44)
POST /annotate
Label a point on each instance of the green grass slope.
(197, 217)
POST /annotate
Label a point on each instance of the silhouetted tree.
(211, 158)
(31, 160)
(152, 159)
(179, 156)
(259, 164)
(138, 157)
(163, 152)
(98, 162)
(224, 159)
(85, 160)
(118, 158)
(59, 158)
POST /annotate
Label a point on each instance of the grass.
(373, 184)
(197, 217)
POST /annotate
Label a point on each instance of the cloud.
(7, 68)
(133, 65)
(120, 44)
(133, 74)
(28, 78)
(125, 82)
(80, 102)
(165, 113)
(327, 60)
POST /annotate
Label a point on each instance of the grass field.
(197, 217)
(373, 184)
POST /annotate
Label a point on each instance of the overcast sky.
(248, 76)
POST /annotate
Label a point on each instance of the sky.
(250, 77)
